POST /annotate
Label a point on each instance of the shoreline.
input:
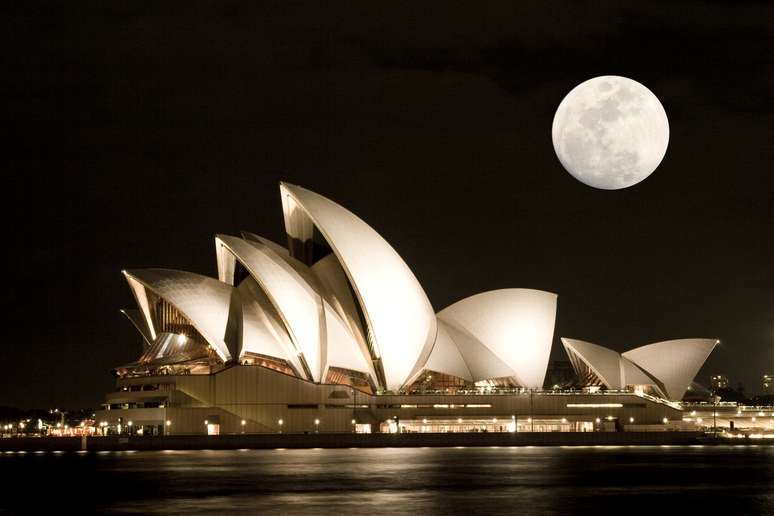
(322, 440)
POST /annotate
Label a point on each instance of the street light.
(280, 423)
(316, 425)
(354, 425)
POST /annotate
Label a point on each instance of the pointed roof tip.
(284, 185)
(223, 236)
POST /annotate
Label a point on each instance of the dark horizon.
(139, 132)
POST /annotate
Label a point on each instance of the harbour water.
(627, 480)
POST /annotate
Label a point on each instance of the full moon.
(610, 132)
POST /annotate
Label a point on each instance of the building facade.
(334, 333)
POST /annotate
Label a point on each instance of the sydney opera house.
(334, 333)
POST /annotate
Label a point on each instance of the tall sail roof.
(400, 322)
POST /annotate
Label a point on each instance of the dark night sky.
(139, 132)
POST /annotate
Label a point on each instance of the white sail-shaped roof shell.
(516, 325)
(263, 332)
(674, 363)
(301, 268)
(612, 369)
(604, 362)
(342, 347)
(141, 297)
(204, 301)
(334, 287)
(446, 357)
(400, 321)
(297, 303)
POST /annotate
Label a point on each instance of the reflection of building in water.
(333, 333)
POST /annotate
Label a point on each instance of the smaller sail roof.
(673, 362)
(668, 366)
(516, 325)
(204, 301)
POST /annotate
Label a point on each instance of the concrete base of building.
(298, 441)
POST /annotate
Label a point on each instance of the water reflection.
(532, 480)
